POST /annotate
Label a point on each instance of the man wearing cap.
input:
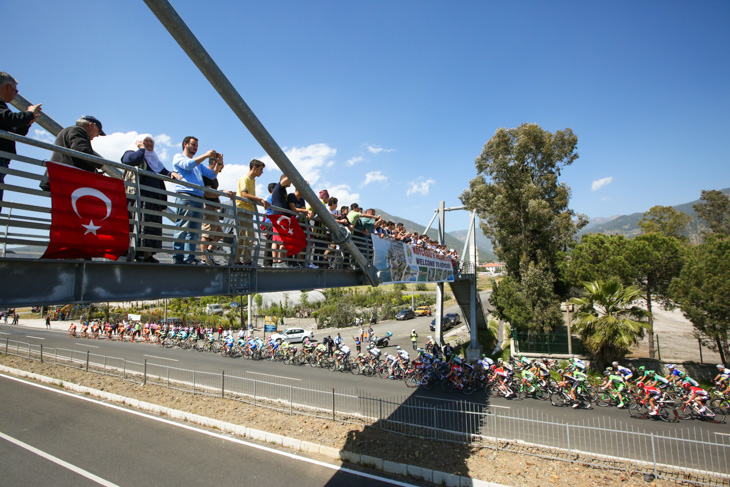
(78, 137)
(17, 123)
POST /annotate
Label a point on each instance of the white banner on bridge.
(132, 317)
(400, 262)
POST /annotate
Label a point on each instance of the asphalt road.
(52, 437)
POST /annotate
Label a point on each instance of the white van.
(214, 309)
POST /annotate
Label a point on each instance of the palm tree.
(607, 320)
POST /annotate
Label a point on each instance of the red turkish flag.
(292, 235)
(88, 215)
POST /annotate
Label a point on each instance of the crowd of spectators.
(198, 228)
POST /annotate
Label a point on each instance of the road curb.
(442, 478)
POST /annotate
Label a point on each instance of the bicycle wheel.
(722, 404)
(605, 399)
(412, 381)
(719, 415)
(558, 398)
(687, 412)
(638, 410)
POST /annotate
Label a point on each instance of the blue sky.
(388, 103)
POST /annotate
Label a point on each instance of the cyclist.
(578, 364)
(616, 381)
(374, 355)
(644, 374)
(651, 394)
(698, 395)
(341, 354)
(401, 358)
(723, 378)
(575, 380)
(625, 372)
(528, 379)
(227, 342)
(72, 330)
(502, 376)
(674, 375)
(320, 351)
(455, 372)
(658, 380)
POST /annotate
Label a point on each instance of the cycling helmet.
(560, 371)
(642, 368)
(606, 373)
(686, 385)
(640, 385)
(720, 366)
(500, 361)
(370, 346)
(615, 364)
(670, 367)
(398, 347)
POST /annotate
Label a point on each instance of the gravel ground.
(481, 463)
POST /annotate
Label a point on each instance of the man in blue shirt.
(189, 168)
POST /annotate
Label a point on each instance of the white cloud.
(420, 186)
(375, 177)
(598, 184)
(43, 136)
(376, 150)
(344, 194)
(354, 160)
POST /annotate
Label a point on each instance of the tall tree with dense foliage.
(608, 321)
(598, 257)
(655, 261)
(714, 210)
(524, 208)
(665, 220)
(702, 291)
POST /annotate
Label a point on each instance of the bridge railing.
(25, 219)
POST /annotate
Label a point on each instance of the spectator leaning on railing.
(17, 123)
(246, 200)
(188, 166)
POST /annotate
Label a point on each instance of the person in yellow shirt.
(246, 201)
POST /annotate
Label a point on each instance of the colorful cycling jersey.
(579, 376)
(345, 349)
(625, 372)
(321, 347)
(689, 380)
(542, 368)
(617, 380)
(456, 368)
(652, 391)
(486, 363)
(404, 355)
(661, 379)
(725, 375)
(579, 364)
(375, 352)
(677, 373)
(526, 374)
(501, 372)
(699, 392)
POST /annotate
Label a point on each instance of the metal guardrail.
(694, 456)
(25, 223)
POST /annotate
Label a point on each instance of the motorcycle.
(381, 342)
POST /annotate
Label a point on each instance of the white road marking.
(211, 433)
(277, 376)
(501, 407)
(85, 345)
(58, 461)
(37, 338)
(3, 333)
(162, 358)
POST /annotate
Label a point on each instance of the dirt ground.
(677, 342)
(480, 463)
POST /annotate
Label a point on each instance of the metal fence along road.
(691, 455)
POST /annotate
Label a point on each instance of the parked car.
(449, 320)
(405, 314)
(423, 311)
(214, 309)
(293, 335)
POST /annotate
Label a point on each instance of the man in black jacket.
(78, 137)
(17, 123)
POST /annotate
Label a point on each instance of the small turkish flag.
(88, 215)
(292, 235)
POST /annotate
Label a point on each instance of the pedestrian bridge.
(30, 279)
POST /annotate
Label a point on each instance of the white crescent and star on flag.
(288, 227)
(81, 192)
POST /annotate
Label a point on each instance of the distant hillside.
(628, 225)
(454, 240)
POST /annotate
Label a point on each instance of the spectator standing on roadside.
(48, 322)
(414, 339)
(17, 123)
(189, 168)
(358, 344)
(246, 206)
(16, 318)
(78, 137)
(279, 200)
